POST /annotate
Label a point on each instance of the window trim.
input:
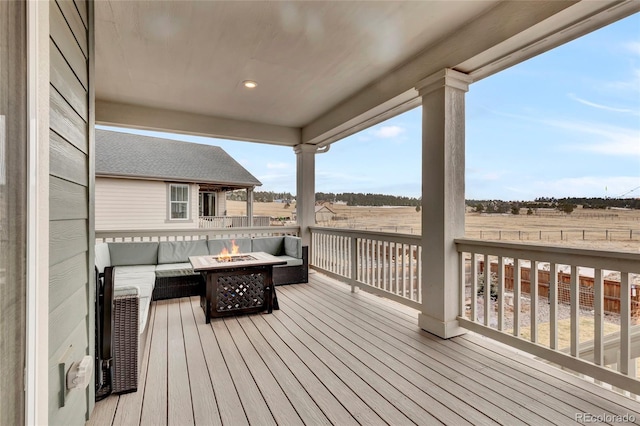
(170, 202)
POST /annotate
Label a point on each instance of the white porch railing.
(194, 234)
(387, 264)
(576, 319)
(231, 221)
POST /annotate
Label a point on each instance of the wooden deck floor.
(333, 357)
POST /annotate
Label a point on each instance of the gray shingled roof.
(129, 155)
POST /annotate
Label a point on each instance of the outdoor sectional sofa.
(136, 273)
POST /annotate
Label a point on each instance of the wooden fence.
(558, 234)
(611, 288)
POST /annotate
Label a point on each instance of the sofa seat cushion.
(143, 281)
(134, 269)
(271, 245)
(179, 251)
(291, 261)
(174, 270)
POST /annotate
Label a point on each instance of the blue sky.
(565, 123)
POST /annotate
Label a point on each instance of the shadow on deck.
(333, 357)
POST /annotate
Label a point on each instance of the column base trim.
(444, 330)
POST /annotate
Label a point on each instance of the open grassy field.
(601, 229)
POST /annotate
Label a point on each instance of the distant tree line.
(565, 205)
(261, 196)
(360, 199)
(594, 202)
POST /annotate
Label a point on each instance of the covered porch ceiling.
(324, 70)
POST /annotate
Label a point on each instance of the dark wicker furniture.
(237, 287)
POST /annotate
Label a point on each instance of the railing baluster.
(378, 269)
(625, 322)
(419, 257)
(395, 269)
(369, 263)
(404, 270)
(462, 284)
(474, 287)
(500, 293)
(533, 293)
(575, 311)
(598, 302)
(487, 289)
(517, 284)
(412, 283)
(553, 312)
(382, 265)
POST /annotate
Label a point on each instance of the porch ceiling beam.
(147, 118)
(506, 35)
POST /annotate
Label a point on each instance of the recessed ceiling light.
(250, 84)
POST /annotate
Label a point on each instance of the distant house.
(324, 214)
(151, 183)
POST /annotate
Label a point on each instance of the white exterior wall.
(132, 204)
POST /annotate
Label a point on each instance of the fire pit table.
(237, 284)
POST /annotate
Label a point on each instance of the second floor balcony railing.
(214, 222)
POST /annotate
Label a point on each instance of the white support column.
(305, 189)
(249, 206)
(443, 206)
(38, 106)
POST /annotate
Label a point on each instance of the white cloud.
(586, 186)
(388, 132)
(601, 106)
(632, 84)
(611, 140)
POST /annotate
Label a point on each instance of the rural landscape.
(615, 228)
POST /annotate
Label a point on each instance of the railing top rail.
(194, 231)
(610, 260)
(385, 236)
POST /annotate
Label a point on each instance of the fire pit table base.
(237, 284)
(238, 291)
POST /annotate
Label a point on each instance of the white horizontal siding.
(131, 204)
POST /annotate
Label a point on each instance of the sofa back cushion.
(293, 246)
(123, 254)
(218, 244)
(271, 245)
(103, 259)
(179, 251)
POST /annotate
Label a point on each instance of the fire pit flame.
(225, 256)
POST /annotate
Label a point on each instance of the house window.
(178, 201)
